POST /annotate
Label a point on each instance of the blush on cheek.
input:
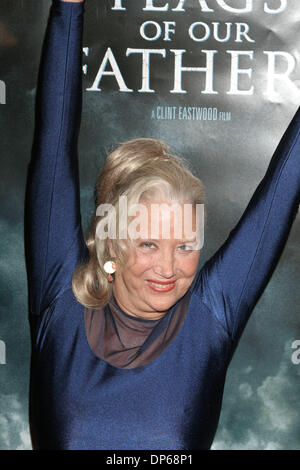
(144, 261)
(138, 263)
(189, 265)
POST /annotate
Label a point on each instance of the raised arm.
(54, 241)
(235, 277)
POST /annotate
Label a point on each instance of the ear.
(112, 252)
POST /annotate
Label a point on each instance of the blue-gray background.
(262, 394)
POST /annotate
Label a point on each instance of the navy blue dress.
(78, 400)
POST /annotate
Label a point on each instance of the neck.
(151, 315)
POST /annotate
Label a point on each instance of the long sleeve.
(232, 281)
(54, 242)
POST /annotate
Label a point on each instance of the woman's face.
(159, 270)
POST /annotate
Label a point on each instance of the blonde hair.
(139, 169)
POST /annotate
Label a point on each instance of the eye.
(185, 248)
(149, 245)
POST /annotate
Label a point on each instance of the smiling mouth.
(161, 286)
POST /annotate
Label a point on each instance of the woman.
(133, 354)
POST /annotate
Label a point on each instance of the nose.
(165, 265)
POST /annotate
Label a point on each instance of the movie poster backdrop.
(219, 81)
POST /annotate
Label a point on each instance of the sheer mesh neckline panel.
(127, 342)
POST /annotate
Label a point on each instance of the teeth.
(160, 286)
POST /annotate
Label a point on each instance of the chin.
(161, 305)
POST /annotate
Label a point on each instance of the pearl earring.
(109, 267)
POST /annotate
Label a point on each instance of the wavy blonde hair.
(141, 169)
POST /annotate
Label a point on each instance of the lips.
(161, 286)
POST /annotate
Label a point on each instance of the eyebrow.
(159, 239)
